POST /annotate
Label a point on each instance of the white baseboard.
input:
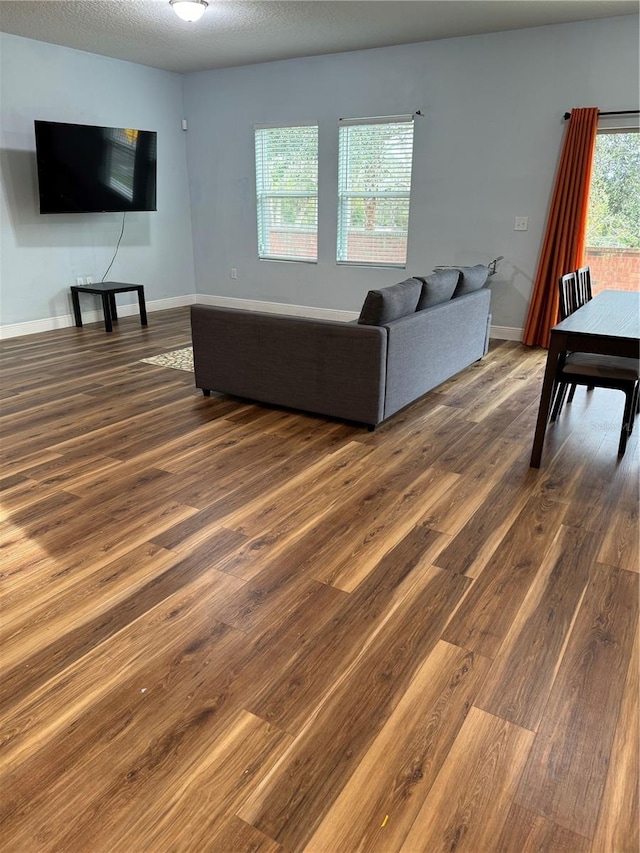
(32, 327)
(506, 333)
(277, 307)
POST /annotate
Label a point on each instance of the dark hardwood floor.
(228, 627)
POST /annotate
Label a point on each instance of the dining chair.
(575, 291)
(572, 294)
(584, 284)
(592, 369)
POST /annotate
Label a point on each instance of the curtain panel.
(564, 241)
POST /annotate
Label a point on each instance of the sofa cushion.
(471, 278)
(437, 287)
(390, 303)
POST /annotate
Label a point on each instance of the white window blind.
(287, 192)
(374, 190)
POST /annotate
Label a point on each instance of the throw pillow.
(437, 287)
(472, 278)
(389, 303)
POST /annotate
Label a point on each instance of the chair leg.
(561, 393)
(557, 390)
(627, 419)
(635, 405)
(573, 391)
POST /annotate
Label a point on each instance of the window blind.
(287, 192)
(374, 190)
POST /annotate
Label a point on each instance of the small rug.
(179, 359)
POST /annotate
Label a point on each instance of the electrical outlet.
(234, 272)
(89, 279)
(80, 281)
(521, 223)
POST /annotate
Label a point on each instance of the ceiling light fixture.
(189, 10)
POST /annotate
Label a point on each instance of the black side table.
(107, 290)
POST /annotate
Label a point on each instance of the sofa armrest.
(322, 366)
(428, 347)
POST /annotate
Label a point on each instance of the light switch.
(521, 223)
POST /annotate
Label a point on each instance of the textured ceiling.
(235, 32)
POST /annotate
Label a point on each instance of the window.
(613, 220)
(287, 192)
(374, 189)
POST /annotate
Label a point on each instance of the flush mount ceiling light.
(189, 10)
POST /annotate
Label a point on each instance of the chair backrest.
(584, 284)
(569, 294)
(575, 291)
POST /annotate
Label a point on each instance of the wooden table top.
(611, 314)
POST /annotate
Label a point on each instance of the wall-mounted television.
(88, 169)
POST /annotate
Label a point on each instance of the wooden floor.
(228, 627)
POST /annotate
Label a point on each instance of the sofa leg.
(206, 392)
(371, 427)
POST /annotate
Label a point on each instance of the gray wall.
(485, 152)
(42, 255)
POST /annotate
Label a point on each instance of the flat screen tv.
(87, 169)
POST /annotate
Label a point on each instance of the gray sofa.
(363, 371)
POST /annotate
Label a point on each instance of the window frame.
(345, 195)
(265, 195)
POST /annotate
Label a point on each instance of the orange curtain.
(564, 241)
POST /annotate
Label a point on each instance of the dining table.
(608, 324)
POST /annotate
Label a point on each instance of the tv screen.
(87, 169)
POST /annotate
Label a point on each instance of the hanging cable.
(124, 213)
